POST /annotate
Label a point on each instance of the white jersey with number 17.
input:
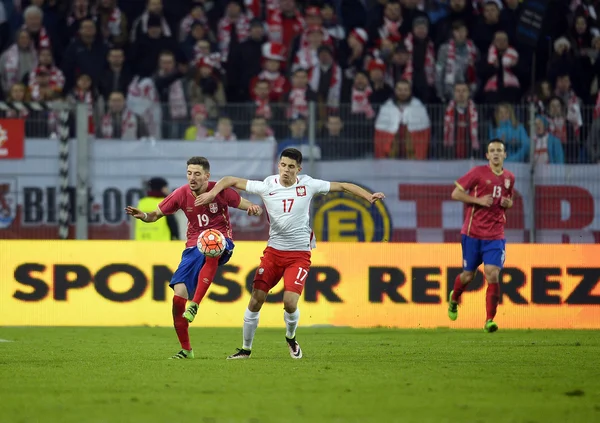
(288, 210)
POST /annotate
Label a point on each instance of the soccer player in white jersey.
(287, 198)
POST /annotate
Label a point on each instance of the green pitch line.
(95, 375)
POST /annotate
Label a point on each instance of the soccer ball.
(211, 243)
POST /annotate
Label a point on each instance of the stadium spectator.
(85, 92)
(351, 54)
(272, 59)
(81, 10)
(390, 25)
(169, 83)
(573, 103)
(148, 47)
(113, 23)
(563, 62)
(247, 60)
(298, 139)
(402, 127)
(234, 28)
(331, 24)
(120, 123)
(459, 11)
(33, 23)
(285, 23)
(381, 91)
(307, 55)
(198, 131)
(337, 144)
(140, 25)
(299, 96)
(325, 79)
(117, 76)
(195, 19)
(260, 131)
(509, 19)
(456, 62)
(361, 99)
(207, 89)
(581, 39)
(45, 84)
(488, 25)
(18, 61)
(224, 130)
(547, 148)
(507, 128)
(501, 72)
(461, 126)
(85, 55)
(420, 69)
(563, 129)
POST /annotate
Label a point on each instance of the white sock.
(291, 323)
(250, 325)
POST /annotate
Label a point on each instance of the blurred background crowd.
(415, 79)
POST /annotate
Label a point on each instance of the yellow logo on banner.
(342, 217)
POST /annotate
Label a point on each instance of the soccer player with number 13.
(487, 191)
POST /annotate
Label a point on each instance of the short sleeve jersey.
(214, 215)
(486, 222)
(288, 210)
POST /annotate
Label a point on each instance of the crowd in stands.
(412, 79)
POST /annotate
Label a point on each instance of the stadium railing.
(556, 202)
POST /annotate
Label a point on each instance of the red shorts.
(292, 266)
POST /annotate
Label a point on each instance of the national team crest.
(301, 191)
(507, 183)
(213, 207)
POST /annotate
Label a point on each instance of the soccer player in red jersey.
(287, 197)
(196, 272)
(488, 192)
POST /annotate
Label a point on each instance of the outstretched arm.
(144, 217)
(460, 194)
(253, 209)
(356, 190)
(226, 182)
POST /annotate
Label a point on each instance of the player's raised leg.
(205, 279)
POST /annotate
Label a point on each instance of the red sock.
(459, 288)
(492, 296)
(205, 278)
(180, 322)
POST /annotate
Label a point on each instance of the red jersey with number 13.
(214, 215)
(486, 222)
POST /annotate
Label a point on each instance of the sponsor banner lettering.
(117, 283)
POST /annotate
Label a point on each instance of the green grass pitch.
(347, 375)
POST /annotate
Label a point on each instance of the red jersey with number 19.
(486, 222)
(214, 215)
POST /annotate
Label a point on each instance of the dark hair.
(496, 140)
(458, 24)
(292, 153)
(200, 161)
